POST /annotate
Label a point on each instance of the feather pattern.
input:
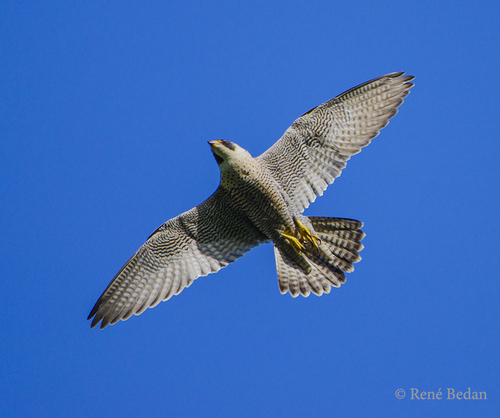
(340, 242)
(196, 243)
(312, 153)
(261, 200)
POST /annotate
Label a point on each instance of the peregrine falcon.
(261, 200)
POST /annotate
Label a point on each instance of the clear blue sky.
(105, 113)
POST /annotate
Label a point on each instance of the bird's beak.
(212, 143)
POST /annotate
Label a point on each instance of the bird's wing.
(196, 243)
(313, 151)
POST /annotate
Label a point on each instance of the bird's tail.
(340, 242)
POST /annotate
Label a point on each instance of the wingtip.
(94, 309)
(406, 79)
(93, 323)
(95, 316)
(395, 74)
(96, 321)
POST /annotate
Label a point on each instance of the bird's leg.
(294, 242)
(306, 235)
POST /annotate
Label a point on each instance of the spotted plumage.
(261, 200)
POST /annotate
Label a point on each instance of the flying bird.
(261, 200)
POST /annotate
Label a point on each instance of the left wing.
(313, 151)
(196, 243)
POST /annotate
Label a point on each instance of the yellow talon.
(306, 234)
(295, 243)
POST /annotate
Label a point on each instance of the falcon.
(261, 200)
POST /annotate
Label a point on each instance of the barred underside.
(196, 243)
(312, 153)
(338, 250)
(258, 200)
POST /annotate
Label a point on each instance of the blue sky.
(105, 114)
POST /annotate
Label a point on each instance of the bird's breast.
(255, 192)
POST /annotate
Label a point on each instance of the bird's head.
(226, 152)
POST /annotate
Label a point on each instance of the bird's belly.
(265, 204)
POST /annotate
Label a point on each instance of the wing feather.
(312, 153)
(196, 243)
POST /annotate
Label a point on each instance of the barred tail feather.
(338, 250)
(291, 277)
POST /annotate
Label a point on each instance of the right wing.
(196, 243)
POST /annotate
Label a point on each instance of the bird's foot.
(294, 242)
(306, 235)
